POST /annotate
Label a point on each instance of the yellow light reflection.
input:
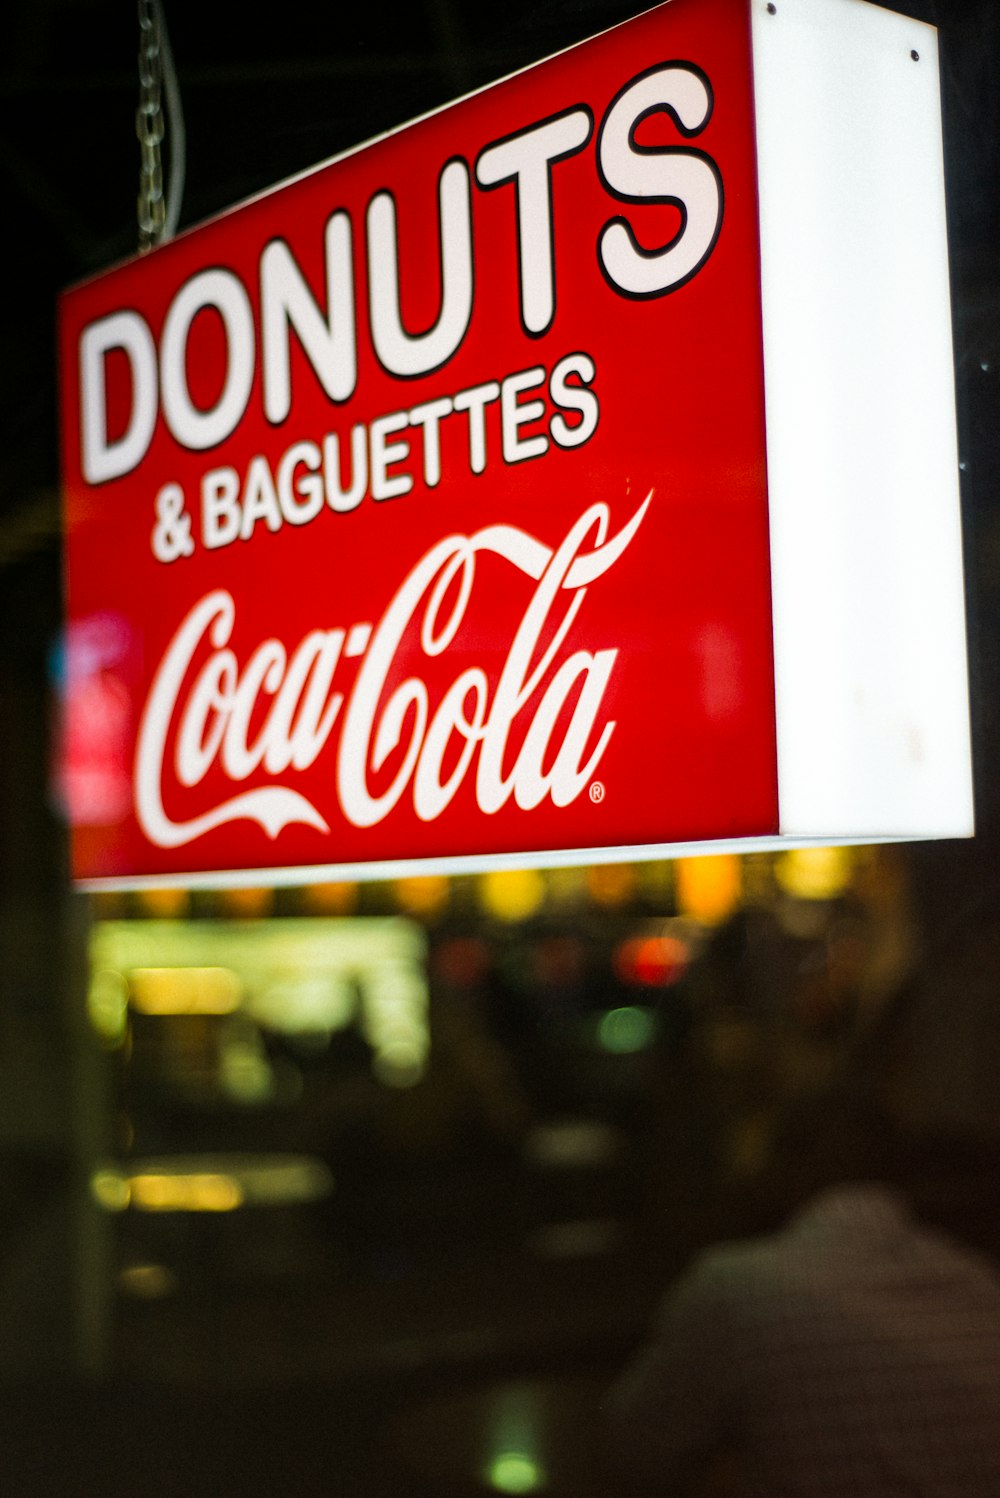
(708, 889)
(334, 898)
(181, 1186)
(165, 904)
(427, 896)
(515, 1472)
(184, 990)
(611, 884)
(815, 873)
(512, 894)
(197, 1191)
(247, 904)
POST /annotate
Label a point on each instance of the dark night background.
(268, 91)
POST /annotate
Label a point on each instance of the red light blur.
(650, 961)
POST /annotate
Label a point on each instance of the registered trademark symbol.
(597, 791)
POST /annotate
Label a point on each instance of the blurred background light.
(399, 1063)
(426, 897)
(461, 961)
(247, 904)
(165, 904)
(512, 894)
(815, 873)
(110, 1189)
(107, 1005)
(611, 884)
(515, 1472)
(572, 1143)
(335, 898)
(213, 1183)
(245, 1073)
(147, 1281)
(626, 1030)
(708, 889)
(650, 961)
(184, 1191)
(184, 990)
(567, 886)
(310, 1003)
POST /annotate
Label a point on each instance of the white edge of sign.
(863, 485)
(400, 868)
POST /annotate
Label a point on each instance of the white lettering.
(429, 417)
(205, 720)
(193, 428)
(272, 807)
(388, 744)
(400, 352)
(304, 711)
(644, 174)
(385, 485)
(338, 498)
(300, 495)
(515, 414)
(310, 478)
(575, 397)
(260, 499)
(475, 402)
(527, 159)
(103, 459)
(220, 507)
(322, 318)
(286, 302)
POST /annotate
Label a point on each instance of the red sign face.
(429, 489)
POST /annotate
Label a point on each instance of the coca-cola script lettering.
(209, 721)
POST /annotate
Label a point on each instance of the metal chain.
(149, 127)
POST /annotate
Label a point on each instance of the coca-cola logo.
(277, 712)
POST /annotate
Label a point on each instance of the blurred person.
(853, 1351)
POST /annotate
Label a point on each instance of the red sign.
(430, 487)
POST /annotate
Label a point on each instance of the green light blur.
(110, 1189)
(626, 1030)
(107, 1005)
(515, 1472)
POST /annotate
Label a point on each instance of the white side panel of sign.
(869, 617)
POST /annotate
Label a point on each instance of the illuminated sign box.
(569, 475)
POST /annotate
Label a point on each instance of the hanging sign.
(529, 484)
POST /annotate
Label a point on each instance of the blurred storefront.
(414, 1119)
